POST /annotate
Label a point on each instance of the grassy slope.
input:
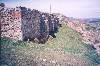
(65, 49)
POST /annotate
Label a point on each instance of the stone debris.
(22, 23)
(44, 59)
(53, 61)
(89, 34)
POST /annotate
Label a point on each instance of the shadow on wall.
(28, 25)
(42, 25)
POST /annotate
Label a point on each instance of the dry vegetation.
(64, 50)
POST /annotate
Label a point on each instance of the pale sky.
(70, 8)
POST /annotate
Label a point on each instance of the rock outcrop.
(21, 23)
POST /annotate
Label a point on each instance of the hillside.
(66, 49)
(93, 22)
(34, 38)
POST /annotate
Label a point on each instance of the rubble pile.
(89, 34)
(22, 23)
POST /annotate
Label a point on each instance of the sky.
(70, 8)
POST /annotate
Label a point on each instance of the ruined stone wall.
(21, 23)
(38, 25)
(11, 23)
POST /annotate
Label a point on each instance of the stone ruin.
(21, 23)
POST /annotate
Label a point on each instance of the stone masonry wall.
(21, 23)
(38, 25)
(11, 23)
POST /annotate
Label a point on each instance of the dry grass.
(64, 50)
